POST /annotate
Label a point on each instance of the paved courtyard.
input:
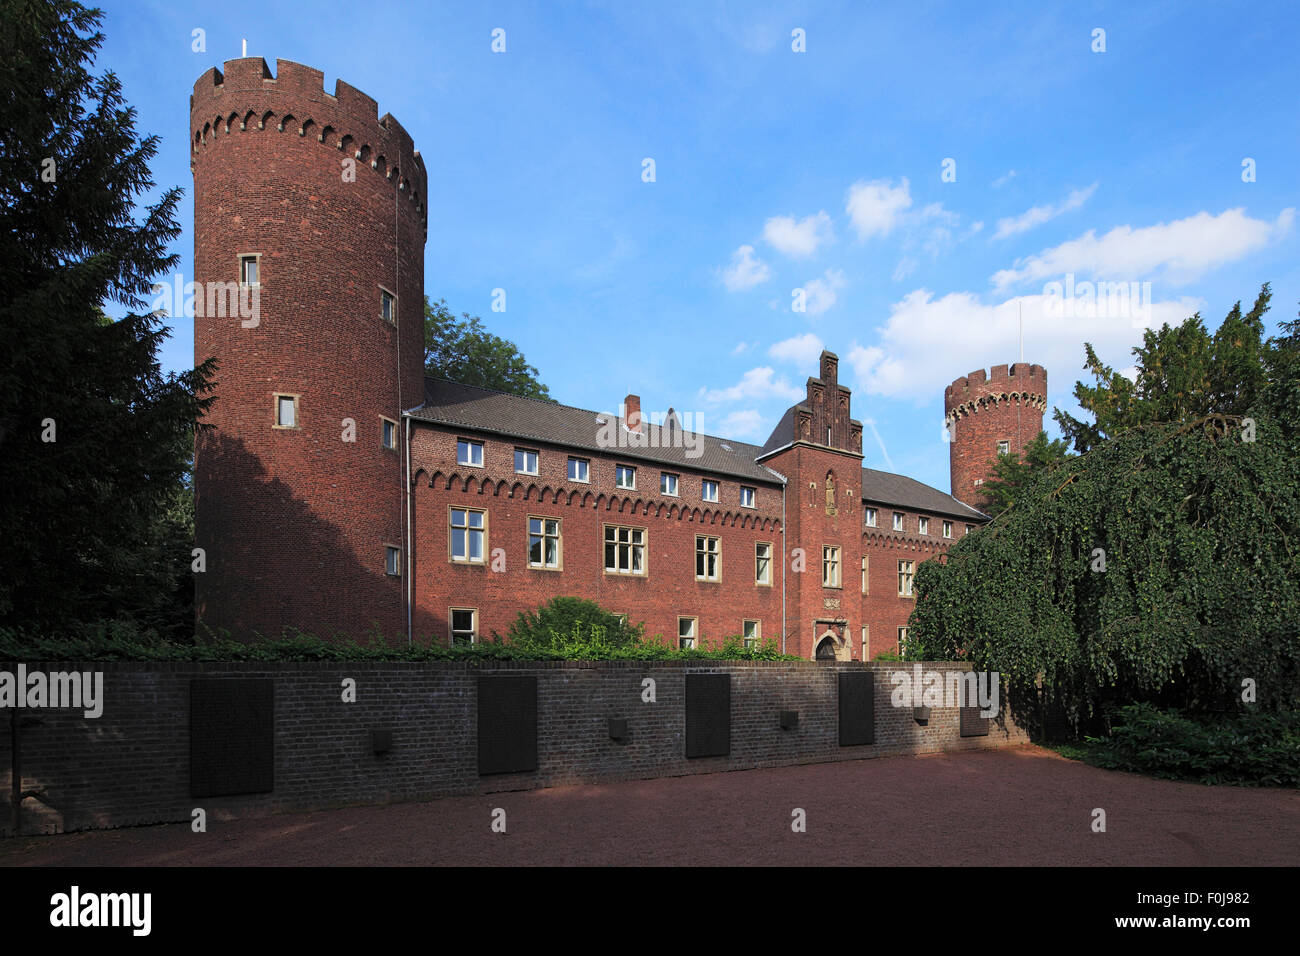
(1020, 806)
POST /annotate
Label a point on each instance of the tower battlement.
(247, 98)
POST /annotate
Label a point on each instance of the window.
(970, 528)
(248, 271)
(830, 567)
(871, 517)
(578, 468)
(464, 625)
(752, 632)
(709, 490)
(469, 452)
(866, 566)
(746, 497)
(387, 432)
(686, 632)
(624, 550)
(468, 535)
(924, 525)
(625, 476)
(762, 563)
(525, 461)
(392, 559)
(286, 411)
(707, 558)
(866, 641)
(898, 521)
(947, 529)
(668, 484)
(902, 640)
(906, 572)
(387, 306)
(544, 543)
(1004, 447)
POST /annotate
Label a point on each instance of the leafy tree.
(563, 623)
(1011, 474)
(1159, 566)
(462, 350)
(94, 438)
(1183, 373)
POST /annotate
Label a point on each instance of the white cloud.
(745, 271)
(798, 238)
(755, 385)
(820, 293)
(875, 207)
(742, 347)
(928, 342)
(906, 266)
(1004, 179)
(803, 349)
(745, 423)
(1177, 252)
(1040, 214)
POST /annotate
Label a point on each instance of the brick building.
(340, 490)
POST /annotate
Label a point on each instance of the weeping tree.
(1162, 564)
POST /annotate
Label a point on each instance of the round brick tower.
(310, 210)
(981, 412)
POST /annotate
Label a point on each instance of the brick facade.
(131, 766)
(981, 410)
(296, 522)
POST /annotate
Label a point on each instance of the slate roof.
(482, 409)
(485, 410)
(891, 489)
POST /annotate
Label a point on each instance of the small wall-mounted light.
(789, 719)
(618, 728)
(381, 740)
(921, 715)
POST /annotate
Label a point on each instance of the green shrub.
(1251, 749)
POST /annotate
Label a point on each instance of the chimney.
(632, 413)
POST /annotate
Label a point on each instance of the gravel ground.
(1018, 806)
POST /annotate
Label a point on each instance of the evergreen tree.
(1012, 474)
(94, 439)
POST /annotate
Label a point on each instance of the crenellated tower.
(988, 413)
(309, 208)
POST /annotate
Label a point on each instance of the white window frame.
(704, 490)
(469, 530)
(751, 640)
(275, 411)
(391, 297)
(537, 458)
(906, 578)
(831, 576)
(393, 560)
(451, 624)
(947, 529)
(544, 535)
(866, 574)
(631, 545)
(383, 444)
(586, 469)
(469, 444)
(1004, 447)
(898, 521)
(752, 495)
(923, 525)
(694, 635)
(619, 470)
(764, 581)
(871, 517)
(704, 549)
(666, 480)
(241, 260)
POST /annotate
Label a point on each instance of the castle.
(340, 490)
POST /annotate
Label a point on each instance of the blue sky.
(820, 171)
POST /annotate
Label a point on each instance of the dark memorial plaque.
(857, 709)
(972, 724)
(708, 715)
(232, 736)
(507, 724)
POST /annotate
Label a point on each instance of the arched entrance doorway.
(826, 649)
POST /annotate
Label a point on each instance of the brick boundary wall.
(131, 766)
